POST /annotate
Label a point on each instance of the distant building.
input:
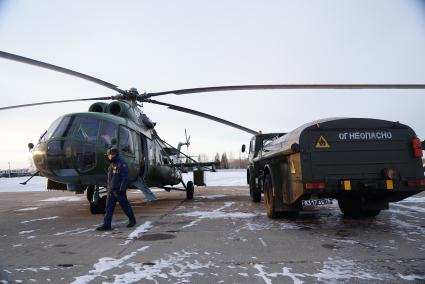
(15, 173)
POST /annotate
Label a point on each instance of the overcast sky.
(163, 45)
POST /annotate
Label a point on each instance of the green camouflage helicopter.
(71, 153)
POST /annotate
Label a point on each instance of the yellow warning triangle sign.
(322, 143)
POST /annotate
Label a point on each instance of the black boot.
(131, 224)
(104, 228)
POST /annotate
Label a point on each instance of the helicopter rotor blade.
(204, 115)
(55, 102)
(56, 68)
(288, 87)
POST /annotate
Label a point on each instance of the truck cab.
(256, 144)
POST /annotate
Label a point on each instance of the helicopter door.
(144, 157)
(127, 151)
(138, 152)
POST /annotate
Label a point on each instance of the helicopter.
(71, 152)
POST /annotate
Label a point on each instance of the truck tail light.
(315, 185)
(417, 147)
(414, 183)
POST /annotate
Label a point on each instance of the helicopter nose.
(59, 157)
(64, 158)
(40, 158)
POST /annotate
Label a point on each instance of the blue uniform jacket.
(118, 175)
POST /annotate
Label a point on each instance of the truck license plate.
(316, 202)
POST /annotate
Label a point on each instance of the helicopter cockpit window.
(108, 133)
(65, 127)
(49, 132)
(87, 130)
(126, 141)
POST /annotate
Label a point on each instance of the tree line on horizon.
(228, 162)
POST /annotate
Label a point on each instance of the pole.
(9, 168)
(240, 163)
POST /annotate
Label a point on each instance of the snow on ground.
(63, 198)
(12, 184)
(233, 177)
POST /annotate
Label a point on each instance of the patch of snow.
(414, 208)
(411, 277)
(82, 232)
(174, 265)
(26, 232)
(193, 223)
(413, 200)
(285, 272)
(41, 219)
(33, 269)
(138, 232)
(28, 209)
(262, 242)
(63, 198)
(31, 237)
(351, 242)
(336, 270)
(17, 245)
(3, 282)
(211, 196)
(74, 232)
(105, 264)
(407, 226)
(217, 214)
(405, 213)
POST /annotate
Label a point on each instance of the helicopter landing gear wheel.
(99, 207)
(190, 189)
(90, 193)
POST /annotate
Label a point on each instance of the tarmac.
(218, 237)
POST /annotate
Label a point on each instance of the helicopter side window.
(88, 130)
(252, 146)
(108, 133)
(126, 141)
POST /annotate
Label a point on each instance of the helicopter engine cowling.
(119, 109)
(98, 107)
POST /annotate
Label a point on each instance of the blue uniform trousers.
(121, 197)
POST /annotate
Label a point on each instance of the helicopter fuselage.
(72, 151)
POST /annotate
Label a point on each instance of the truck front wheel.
(254, 190)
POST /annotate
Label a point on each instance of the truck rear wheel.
(254, 190)
(269, 199)
(351, 206)
(371, 213)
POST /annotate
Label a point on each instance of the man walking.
(117, 190)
